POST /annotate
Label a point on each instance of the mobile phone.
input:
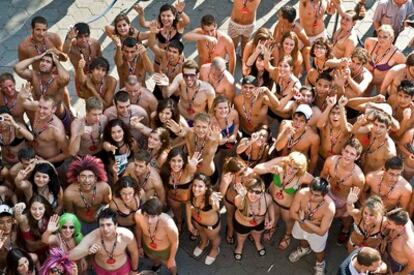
(1, 118)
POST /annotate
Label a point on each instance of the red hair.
(86, 163)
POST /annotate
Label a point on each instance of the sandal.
(238, 256)
(229, 239)
(261, 252)
(267, 236)
(285, 241)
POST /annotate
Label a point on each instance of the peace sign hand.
(331, 101)
(179, 6)
(343, 100)
(353, 195)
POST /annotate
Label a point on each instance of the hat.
(304, 109)
(249, 79)
(4, 208)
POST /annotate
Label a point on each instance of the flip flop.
(285, 241)
(238, 256)
(261, 252)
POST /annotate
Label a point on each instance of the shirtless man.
(242, 21)
(131, 59)
(9, 96)
(400, 243)
(389, 185)
(343, 173)
(403, 107)
(139, 95)
(397, 74)
(306, 96)
(345, 38)
(251, 106)
(39, 41)
(79, 45)
(212, 43)
(88, 191)
(196, 96)
(323, 90)
(313, 211)
(157, 235)
(221, 79)
(50, 141)
(146, 176)
(86, 138)
(46, 82)
(295, 135)
(108, 246)
(124, 110)
(286, 23)
(97, 82)
(353, 78)
(334, 130)
(8, 234)
(204, 139)
(311, 14)
(380, 146)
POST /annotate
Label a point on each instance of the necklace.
(111, 259)
(65, 243)
(13, 102)
(385, 196)
(198, 209)
(175, 179)
(152, 235)
(250, 159)
(338, 37)
(44, 87)
(292, 142)
(190, 109)
(132, 68)
(279, 194)
(311, 211)
(254, 214)
(339, 181)
(141, 186)
(216, 83)
(333, 139)
(248, 113)
(88, 205)
(376, 59)
(39, 49)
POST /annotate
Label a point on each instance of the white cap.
(304, 109)
(4, 208)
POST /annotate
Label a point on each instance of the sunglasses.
(68, 227)
(257, 192)
(189, 75)
(56, 270)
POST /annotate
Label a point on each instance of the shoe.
(342, 238)
(238, 256)
(261, 252)
(298, 254)
(320, 268)
(156, 268)
(210, 260)
(197, 251)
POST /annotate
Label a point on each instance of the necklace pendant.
(153, 245)
(279, 195)
(110, 261)
(89, 213)
(253, 222)
(198, 217)
(190, 110)
(92, 148)
(244, 10)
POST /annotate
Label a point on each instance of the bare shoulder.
(206, 86)
(126, 234)
(169, 223)
(71, 190)
(405, 185)
(224, 37)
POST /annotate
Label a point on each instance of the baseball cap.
(249, 79)
(304, 109)
(4, 208)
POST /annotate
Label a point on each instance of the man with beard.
(97, 82)
(219, 77)
(313, 212)
(88, 191)
(196, 96)
(139, 95)
(400, 242)
(389, 185)
(379, 146)
(352, 78)
(334, 130)
(113, 248)
(131, 59)
(296, 135)
(343, 173)
(157, 235)
(46, 82)
(86, 138)
(9, 96)
(212, 43)
(39, 41)
(146, 176)
(397, 74)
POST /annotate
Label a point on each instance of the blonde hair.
(251, 183)
(298, 160)
(387, 29)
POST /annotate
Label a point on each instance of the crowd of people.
(320, 127)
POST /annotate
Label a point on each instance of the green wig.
(74, 220)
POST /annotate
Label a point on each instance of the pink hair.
(86, 163)
(57, 257)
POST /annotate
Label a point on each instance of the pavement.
(15, 17)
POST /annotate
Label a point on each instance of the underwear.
(209, 227)
(281, 206)
(339, 203)
(242, 229)
(393, 265)
(124, 269)
(235, 30)
(323, 34)
(157, 254)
